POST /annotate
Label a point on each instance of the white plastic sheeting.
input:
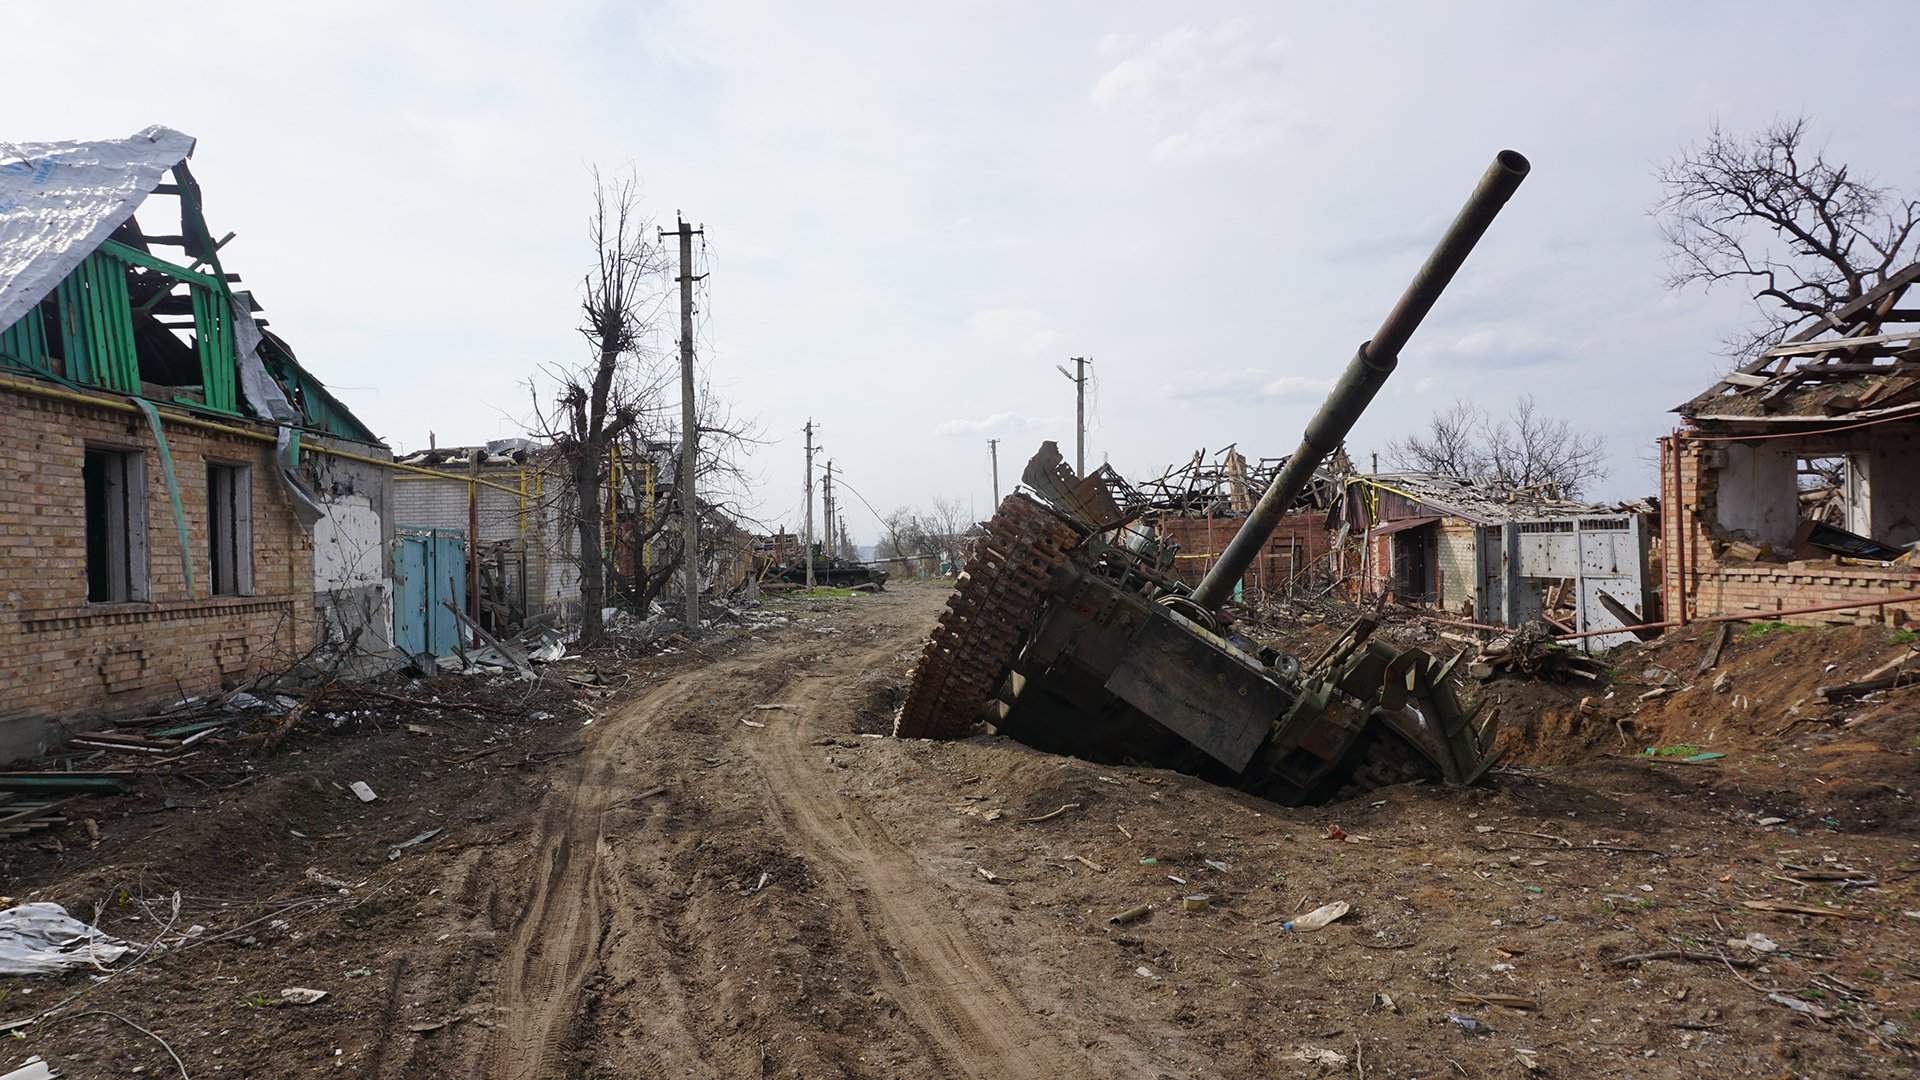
(60, 200)
(262, 393)
(39, 939)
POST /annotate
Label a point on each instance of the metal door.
(429, 569)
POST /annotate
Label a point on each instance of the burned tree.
(597, 403)
(1524, 449)
(1804, 235)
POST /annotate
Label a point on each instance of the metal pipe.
(1681, 547)
(1673, 624)
(1365, 374)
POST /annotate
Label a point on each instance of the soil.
(719, 867)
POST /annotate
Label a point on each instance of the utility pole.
(689, 425)
(826, 511)
(806, 541)
(473, 535)
(1078, 376)
(993, 448)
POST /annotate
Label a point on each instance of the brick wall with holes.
(66, 657)
(1718, 583)
(1296, 552)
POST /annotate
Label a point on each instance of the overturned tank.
(1065, 632)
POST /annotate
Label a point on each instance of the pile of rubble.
(1531, 652)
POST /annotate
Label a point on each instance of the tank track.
(992, 610)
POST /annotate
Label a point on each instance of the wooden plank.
(1741, 378)
(1846, 312)
(1711, 658)
(1814, 348)
(15, 815)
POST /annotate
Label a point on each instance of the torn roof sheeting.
(61, 200)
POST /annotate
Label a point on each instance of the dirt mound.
(1757, 696)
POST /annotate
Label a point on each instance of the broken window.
(1822, 484)
(115, 482)
(229, 529)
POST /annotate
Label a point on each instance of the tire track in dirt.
(554, 947)
(913, 935)
(604, 952)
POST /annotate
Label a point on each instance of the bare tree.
(652, 536)
(1801, 233)
(946, 524)
(594, 405)
(1449, 447)
(1524, 449)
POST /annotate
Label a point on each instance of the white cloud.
(1296, 388)
(1503, 346)
(1244, 383)
(1003, 423)
(1208, 95)
(1017, 330)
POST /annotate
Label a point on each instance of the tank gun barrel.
(1365, 374)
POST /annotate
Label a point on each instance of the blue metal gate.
(429, 569)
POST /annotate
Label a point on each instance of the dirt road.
(623, 957)
(700, 864)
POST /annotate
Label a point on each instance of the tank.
(1066, 631)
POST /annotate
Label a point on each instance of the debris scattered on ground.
(1332, 1059)
(301, 995)
(1531, 652)
(34, 1068)
(1316, 919)
(41, 939)
(400, 848)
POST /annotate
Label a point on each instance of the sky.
(911, 219)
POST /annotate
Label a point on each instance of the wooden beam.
(1847, 312)
(1835, 344)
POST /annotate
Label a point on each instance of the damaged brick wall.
(1718, 505)
(1296, 551)
(64, 657)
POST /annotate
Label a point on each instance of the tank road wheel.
(1386, 760)
(992, 610)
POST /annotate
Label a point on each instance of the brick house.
(181, 504)
(1795, 479)
(1199, 507)
(1497, 555)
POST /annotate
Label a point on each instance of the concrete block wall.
(353, 549)
(67, 662)
(1456, 554)
(553, 574)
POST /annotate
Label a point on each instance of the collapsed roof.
(1230, 485)
(1858, 361)
(85, 301)
(1484, 503)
